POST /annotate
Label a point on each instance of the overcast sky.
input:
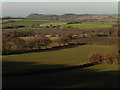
(26, 8)
(60, 0)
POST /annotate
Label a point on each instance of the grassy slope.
(95, 76)
(89, 25)
(104, 67)
(78, 78)
(58, 58)
(29, 28)
(85, 25)
(53, 23)
(52, 38)
(102, 23)
(29, 22)
(41, 22)
(67, 56)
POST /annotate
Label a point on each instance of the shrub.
(38, 42)
(109, 57)
(117, 59)
(106, 58)
(63, 40)
(96, 57)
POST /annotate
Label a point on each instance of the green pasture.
(29, 28)
(53, 23)
(78, 78)
(52, 38)
(40, 20)
(109, 20)
(25, 38)
(27, 23)
(85, 25)
(14, 19)
(102, 75)
(88, 25)
(102, 23)
(104, 67)
(67, 56)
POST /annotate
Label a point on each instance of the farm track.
(50, 70)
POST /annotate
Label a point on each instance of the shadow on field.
(72, 78)
(11, 68)
(46, 50)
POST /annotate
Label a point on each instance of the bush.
(117, 59)
(109, 57)
(96, 57)
(38, 42)
(106, 58)
(112, 58)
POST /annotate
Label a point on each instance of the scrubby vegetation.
(17, 45)
(105, 58)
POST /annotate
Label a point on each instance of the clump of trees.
(17, 45)
(17, 33)
(105, 58)
(35, 25)
(64, 40)
(10, 45)
(96, 57)
(74, 22)
(38, 42)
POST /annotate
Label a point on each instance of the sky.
(60, 0)
(23, 9)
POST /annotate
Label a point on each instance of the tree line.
(18, 45)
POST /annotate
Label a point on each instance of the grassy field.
(85, 25)
(25, 38)
(78, 78)
(27, 23)
(103, 75)
(109, 20)
(69, 56)
(102, 23)
(53, 23)
(88, 25)
(29, 28)
(13, 19)
(52, 38)
(104, 67)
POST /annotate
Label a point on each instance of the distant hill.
(54, 16)
(42, 16)
(67, 16)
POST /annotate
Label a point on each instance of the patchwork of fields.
(89, 25)
(102, 75)
(85, 25)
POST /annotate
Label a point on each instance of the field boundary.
(48, 49)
